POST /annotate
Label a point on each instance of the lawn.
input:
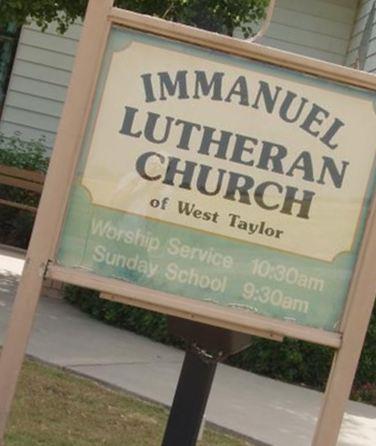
(55, 408)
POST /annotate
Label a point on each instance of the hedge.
(292, 361)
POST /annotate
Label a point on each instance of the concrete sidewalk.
(268, 411)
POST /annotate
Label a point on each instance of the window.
(8, 44)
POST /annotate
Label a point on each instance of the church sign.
(215, 180)
(222, 179)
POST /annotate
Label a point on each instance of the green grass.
(56, 408)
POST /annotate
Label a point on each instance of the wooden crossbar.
(21, 183)
(14, 204)
(25, 174)
(25, 179)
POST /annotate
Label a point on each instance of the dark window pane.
(8, 43)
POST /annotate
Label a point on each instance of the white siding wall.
(39, 82)
(360, 23)
(314, 28)
(42, 69)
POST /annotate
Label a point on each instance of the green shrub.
(291, 361)
(145, 323)
(16, 152)
(15, 224)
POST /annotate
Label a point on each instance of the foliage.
(31, 155)
(291, 361)
(365, 393)
(365, 382)
(15, 224)
(215, 15)
(145, 323)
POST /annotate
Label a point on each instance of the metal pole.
(192, 393)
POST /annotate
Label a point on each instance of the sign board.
(222, 179)
(215, 180)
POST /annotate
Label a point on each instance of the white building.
(33, 98)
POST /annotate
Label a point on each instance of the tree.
(214, 15)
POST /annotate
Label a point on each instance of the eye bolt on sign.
(214, 180)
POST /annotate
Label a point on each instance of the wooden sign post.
(214, 180)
